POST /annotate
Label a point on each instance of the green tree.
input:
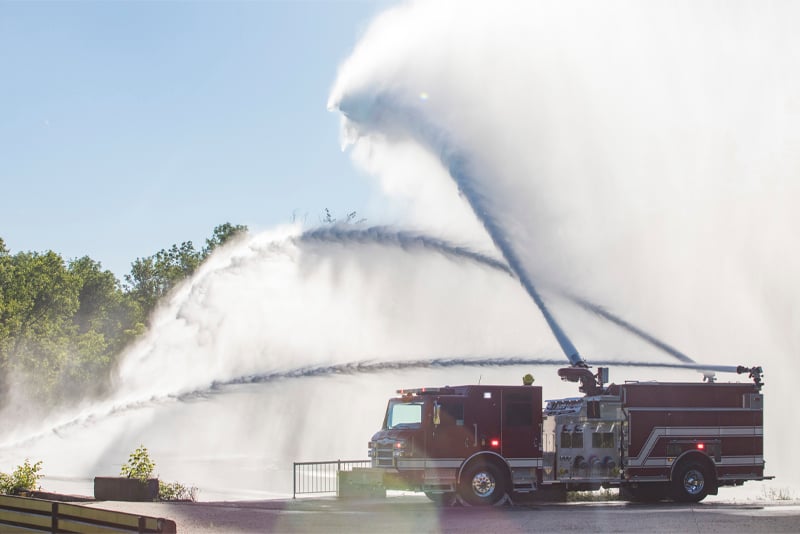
(222, 234)
(64, 325)
(39, 299)
(151, 278)
(61, 327)
(6, 279)
(105, 308)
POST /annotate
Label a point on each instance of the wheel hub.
(693, 482)
(483, 484)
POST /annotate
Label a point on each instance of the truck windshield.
(404, 415)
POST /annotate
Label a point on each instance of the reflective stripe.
(657, 478)
(524, 462)
(727, 461)
(682, 409)
(455, 463)
(429, 463)
(741, 460)
(702, 432)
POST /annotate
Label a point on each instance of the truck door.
(522, 422)
(450, 438)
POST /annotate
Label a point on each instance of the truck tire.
(482, 484)
(692, 482)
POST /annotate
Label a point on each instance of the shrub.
(605, 494)
(175, 491)
(24, 478)
(139, 465)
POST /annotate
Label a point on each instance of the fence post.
(54, 518)
(294, 480)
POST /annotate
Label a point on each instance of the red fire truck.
(653, 440)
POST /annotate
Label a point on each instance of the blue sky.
(126, 127)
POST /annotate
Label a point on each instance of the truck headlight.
(400, 448)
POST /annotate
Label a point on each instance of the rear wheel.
(692, 482)
(482, 484)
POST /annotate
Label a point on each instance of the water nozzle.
(753, 372)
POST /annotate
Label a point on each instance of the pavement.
(414, 513)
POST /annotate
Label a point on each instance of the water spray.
(605, 314)
(384, 235)
(362, 367)
(387, 110)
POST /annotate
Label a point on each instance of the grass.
(777, 494)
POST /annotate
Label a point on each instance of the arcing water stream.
(635, 156)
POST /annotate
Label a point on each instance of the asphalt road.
(416, 514)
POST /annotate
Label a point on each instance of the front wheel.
(692, 483)
(482, 484)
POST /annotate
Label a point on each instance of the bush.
(605, 494)
(139, 465)
(24, 478)
(175, 491)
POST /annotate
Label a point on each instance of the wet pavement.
(417, 514)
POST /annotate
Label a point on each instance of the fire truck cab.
(484, 444)
(478, 442)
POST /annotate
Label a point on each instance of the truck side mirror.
(437, 412)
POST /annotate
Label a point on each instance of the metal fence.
(321, 477)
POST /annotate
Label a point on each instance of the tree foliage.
(222, 234)
(63, 324)
(154, 276)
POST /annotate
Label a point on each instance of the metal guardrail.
(321, 477)
(25, 514)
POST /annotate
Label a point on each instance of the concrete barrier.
(361, 483)
(125, 489)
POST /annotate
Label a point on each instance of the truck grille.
(384, 456)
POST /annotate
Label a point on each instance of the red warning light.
(495, 443)
(701, 446)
